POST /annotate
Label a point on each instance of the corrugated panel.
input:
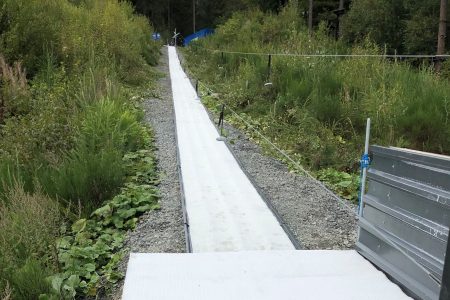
(404, 228)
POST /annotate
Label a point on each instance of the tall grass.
(92, 171)
(28, 226)
(317, 106)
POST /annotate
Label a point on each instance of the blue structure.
(156, 36)
(199, 34)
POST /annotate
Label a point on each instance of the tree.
(381, 20)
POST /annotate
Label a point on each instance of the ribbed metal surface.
(404, 228)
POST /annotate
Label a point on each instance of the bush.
(93, 170)
(74, 32)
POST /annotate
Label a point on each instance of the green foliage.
(346, 185)
(384, 24)
(91, 172)
(107, 28)
(29, 280)
(92, 248)
(65, 127)
(316, 107)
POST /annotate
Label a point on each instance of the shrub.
(73, 32)
(86, 178)
(93, 170)
(109, 123)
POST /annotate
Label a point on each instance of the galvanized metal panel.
(404, 227)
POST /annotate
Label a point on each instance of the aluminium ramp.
(257, 275)
(225, 211)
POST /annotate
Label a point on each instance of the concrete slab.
(258, 275)
(225, 211)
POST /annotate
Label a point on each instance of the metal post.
(445, 283)
(220, 123)
(269, 66)
(221, 119)
(364, 170)
(196, 87)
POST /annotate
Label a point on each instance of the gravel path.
(315, 218)
(160, 231)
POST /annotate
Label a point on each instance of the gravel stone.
(314, 217)
(160, 231)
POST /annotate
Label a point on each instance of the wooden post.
(310, 16)
(269, 66)
(442, 34)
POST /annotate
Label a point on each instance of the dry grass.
(13, 83)
(6, 294)
(29, 224)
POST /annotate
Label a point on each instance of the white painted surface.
(257, 275)
(225, 211)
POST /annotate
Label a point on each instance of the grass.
(29, 224)
(316, 108)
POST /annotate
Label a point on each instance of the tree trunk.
(442, 34)
(193, 15)
(310, 16)
(339, 22)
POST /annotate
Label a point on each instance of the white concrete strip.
(225, 211)
(260, 275)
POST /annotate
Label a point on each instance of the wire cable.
(398, 56)
(283, 153)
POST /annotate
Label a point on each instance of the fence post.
(364, 168)
(445, 283)
(220, 124)
(269, 66)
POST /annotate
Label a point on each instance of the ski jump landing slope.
(232, 230)
(224, 210)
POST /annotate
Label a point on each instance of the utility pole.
(442, 34)
(193, 15)
(310, 16)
